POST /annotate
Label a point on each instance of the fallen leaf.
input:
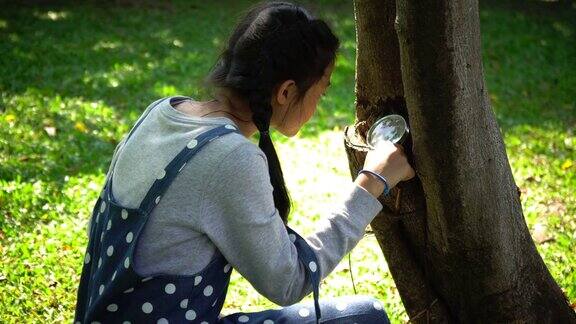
(10, 118)
(566, 165)
(51, 131)
(540, 234)
(81, 127)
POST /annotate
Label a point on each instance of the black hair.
(275, 41)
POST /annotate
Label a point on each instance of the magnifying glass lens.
(391, 128)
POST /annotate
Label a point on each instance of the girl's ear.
(285, 92)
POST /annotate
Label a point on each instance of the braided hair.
(275, 41)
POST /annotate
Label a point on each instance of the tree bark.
(455, 238)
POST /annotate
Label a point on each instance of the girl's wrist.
(374, 186)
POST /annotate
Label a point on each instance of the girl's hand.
(388, 160)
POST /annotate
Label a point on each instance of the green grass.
(74, 77)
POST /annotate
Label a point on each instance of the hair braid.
(259, 100)
(262, 112)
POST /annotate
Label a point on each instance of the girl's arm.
(240, 218)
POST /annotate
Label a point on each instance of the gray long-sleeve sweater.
(222, 200)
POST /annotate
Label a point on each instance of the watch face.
(388, 128)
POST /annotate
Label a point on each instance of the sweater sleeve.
(243, 223)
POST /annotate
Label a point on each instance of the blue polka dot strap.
(168, 174)
(308, 257)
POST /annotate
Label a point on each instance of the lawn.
(74, 77)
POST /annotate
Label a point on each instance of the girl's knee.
(370, 304)
(357, 308)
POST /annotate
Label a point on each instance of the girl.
(188, 197)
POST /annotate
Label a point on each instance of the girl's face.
(288, 116)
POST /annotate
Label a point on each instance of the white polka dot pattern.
(103, 206)
(101, 289)
(303, 312)
(147, 308)
(109, 226)
(87, 258)
(112, 308)
(184, 303)
(110, 250)
(197, 280)
(126, 263)
(230, 127)
(162, 321)
(208, 291)
(313, 266)
(157, 200)
(161, 174)
(268, 322)
(243, 319)
(226, 268)
(129, 237)
(124, 214)
(292, 237)
(190, 315)
(170, 289)
(192, 144)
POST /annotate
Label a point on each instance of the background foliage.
(74, 77)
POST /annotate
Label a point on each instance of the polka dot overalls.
(110, 290)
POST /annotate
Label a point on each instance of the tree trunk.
(379, 92)
(455, 238)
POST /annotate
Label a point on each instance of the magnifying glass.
(391, 128)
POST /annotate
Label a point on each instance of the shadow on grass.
(529, 58)
(114, 60)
